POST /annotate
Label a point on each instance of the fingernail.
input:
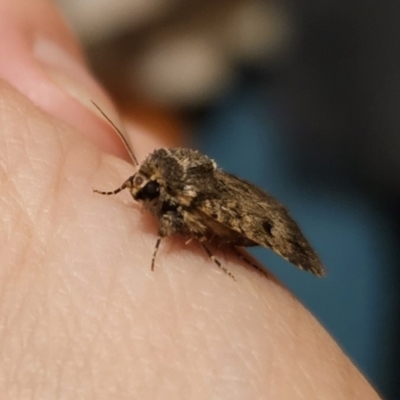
(71, 75)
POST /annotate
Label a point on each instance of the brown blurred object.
(161, 57)
(177, 53)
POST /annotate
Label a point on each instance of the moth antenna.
(120, 189)
(121, 136)
(126, 185)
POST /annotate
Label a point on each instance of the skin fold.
(82, 315)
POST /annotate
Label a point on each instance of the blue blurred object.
(356, 300)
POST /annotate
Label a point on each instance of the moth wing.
(241, 214)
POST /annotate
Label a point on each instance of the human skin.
(81, 314)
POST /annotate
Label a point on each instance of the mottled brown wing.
(241, 214)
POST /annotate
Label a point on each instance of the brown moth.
(190, 196)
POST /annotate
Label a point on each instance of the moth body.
(190, 196)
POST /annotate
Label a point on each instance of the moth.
(190, 196)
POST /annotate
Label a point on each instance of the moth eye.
(149, 191)
(138, 180)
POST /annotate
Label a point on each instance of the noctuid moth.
(190, 196)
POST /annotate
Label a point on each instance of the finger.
(41, 58)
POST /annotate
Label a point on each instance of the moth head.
(143, 188)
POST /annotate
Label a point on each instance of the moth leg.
(153, 260)
(247, 261)
(216, 261)
(170, 223)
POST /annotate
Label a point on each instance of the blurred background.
(303, 99)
